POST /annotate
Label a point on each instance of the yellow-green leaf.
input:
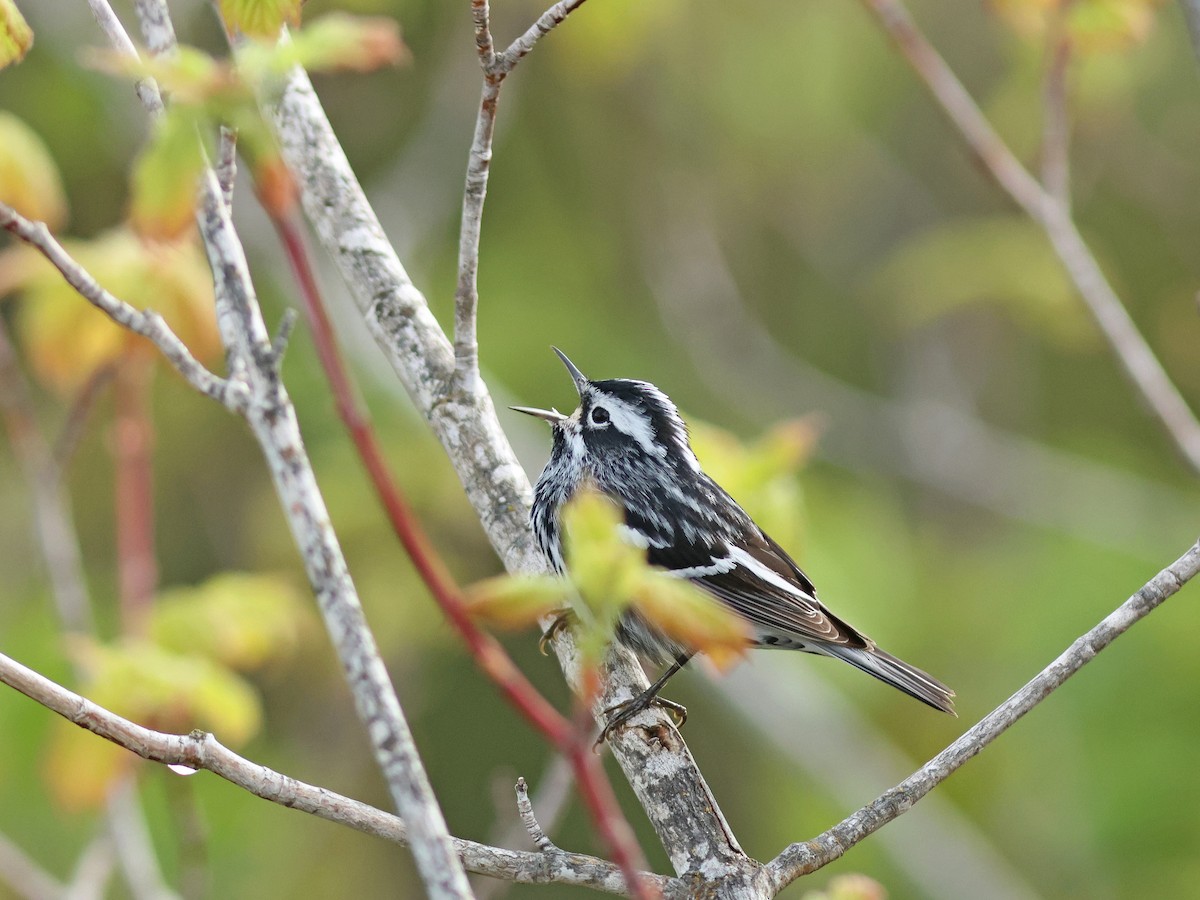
(29, 179)
(189, 75)
(516, 601)
(604, 568)
(67, 340)
(244, 621)
(260, 18)
(165, 177)
(693, 618)
(155, 688)
(16, 37)
(1094, 26)
(340, 42)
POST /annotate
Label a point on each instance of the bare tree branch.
(1136, 358)
(1056, 125)
(653, 756)
(147, 323)
(200, 750)
(803, 858)
(272, 419)
(495, 68)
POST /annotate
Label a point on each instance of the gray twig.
(272, 418)
(495, 68)
(24, 877)
(1134, 354)
(656, 760)
(529, 820)
(803, 858)
(199, 750)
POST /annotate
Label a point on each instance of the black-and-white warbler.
(628, 441)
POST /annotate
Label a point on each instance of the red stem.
(573, 742)
(133, 439)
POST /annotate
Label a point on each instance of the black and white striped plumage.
(627, 440)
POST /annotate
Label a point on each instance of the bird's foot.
(562, 619)
(621, 713)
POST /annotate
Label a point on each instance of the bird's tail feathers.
(898, 674)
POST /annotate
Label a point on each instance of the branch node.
(529, 820)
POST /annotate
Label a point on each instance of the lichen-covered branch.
(272, 418)
(803, 858)
(202, 751)
(654, 757)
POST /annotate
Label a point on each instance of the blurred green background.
(756, 207)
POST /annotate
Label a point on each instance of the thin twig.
(1137, 359)
(529, 820)
(133, 432)
(199, 750)
(226, 165)
(495, 68)
(78, 416)
(1056, 127)
(272, 419)
(147, 323)
(56, 535)
(803, 858)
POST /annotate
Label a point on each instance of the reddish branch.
(133, 439)
(572, 741)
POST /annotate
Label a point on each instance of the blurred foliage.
(29, 180)
(858, 237)
(67, 341)
(15, 34)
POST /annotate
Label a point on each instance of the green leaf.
(516, 601)
(243, 621)
(260, 18)
(16, 37)
(29, 179)
(166, 175)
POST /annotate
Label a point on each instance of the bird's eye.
(600, 416)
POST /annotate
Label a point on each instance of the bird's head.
(619, 417)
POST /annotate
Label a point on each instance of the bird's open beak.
(553, 416)
(578, 377)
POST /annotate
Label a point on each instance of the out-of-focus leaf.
(189, 75)
(244, 621)
(80, 768)
(1094, 26)
(512, 602)
(29, 179)
(67, 340)
(693, 618)
(1004, 261)
(851, 886)
(16, 37)
(761, 475)
(155, 688)
(334, 43)
(260, 18)
(604, 568)
(166, 176)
